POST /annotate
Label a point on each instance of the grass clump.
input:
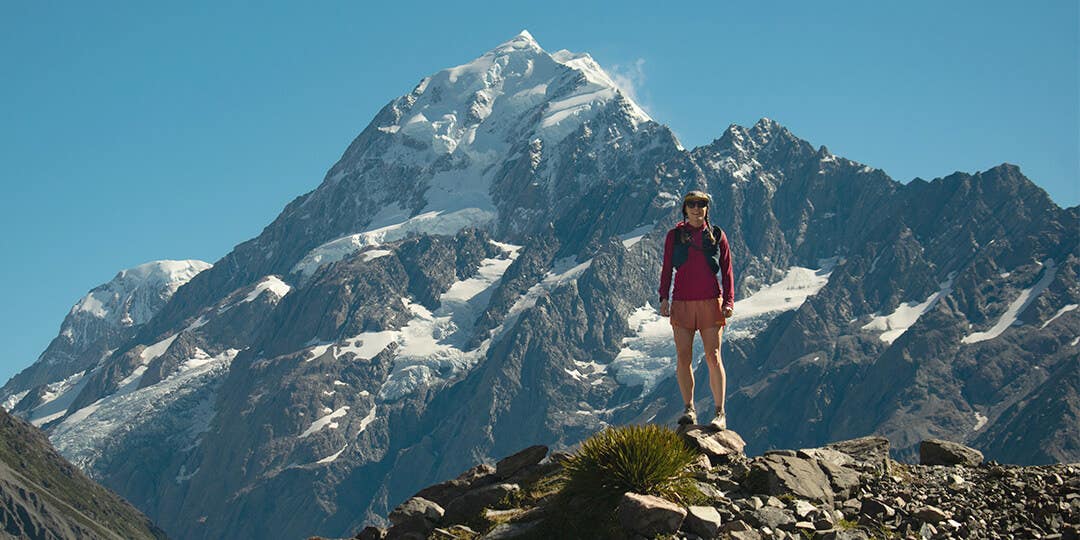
(649, 459)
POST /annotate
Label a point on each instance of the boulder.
(720, 446)
(773, 518)
(868, 454)
(941, 452)
(777, 474)
(703, 521)
(803, 509)
(507, 466)
(416, 508)
(649, 516)
(472, 502)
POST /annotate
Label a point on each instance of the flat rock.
(773, 518)
(931, 514)
(720, 446)
(942, 452)
(776, 474)
(474, 501)
(649, 516)
(703, 521)
(507, 466)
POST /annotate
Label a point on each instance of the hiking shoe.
(689, 416)
(720, 421)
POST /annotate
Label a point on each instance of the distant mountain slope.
(42, 496)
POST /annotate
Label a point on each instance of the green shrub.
(649, 459)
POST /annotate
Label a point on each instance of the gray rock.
(941, 452)
(528, 457)
(649, 516)
(473, 502)
(868, 454)
(931, 514)
(875, 507)
(416, 508)
(720, 446)
(773, 518)
(703, 521)
(779, 474)
(803, 508)
(736, 526)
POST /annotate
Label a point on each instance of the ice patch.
(1067, 308)
(635, 236)
(325, 422)
(896, 323)
(271, 283)
(376, 254)
(980, 421)
(367, 420)
(1011, 315)
(365, 346)
(332, 457)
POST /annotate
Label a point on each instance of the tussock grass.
(649, 459)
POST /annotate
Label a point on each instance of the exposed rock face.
(479, 269)
(42, 496)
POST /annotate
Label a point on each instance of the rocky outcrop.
(795, 495)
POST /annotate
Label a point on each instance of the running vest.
(683, 245)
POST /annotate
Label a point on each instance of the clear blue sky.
(135, 131)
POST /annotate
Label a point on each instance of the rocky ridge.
(845, 490)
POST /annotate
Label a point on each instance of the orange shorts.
(697, 314)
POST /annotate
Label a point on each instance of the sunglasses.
(697, 204)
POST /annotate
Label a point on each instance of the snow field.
(1012, 314)
(896, 323)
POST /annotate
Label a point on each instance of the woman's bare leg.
(717, 378)
(684, 351)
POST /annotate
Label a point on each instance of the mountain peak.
(523, 41)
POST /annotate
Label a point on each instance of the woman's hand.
(665, 308)
(728, 312)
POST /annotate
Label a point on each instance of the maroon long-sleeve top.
(695, 280)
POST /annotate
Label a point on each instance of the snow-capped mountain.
(104, 318)
(477, 273)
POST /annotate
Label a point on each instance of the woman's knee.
(712, 359)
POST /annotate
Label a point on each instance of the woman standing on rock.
(698, 251)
